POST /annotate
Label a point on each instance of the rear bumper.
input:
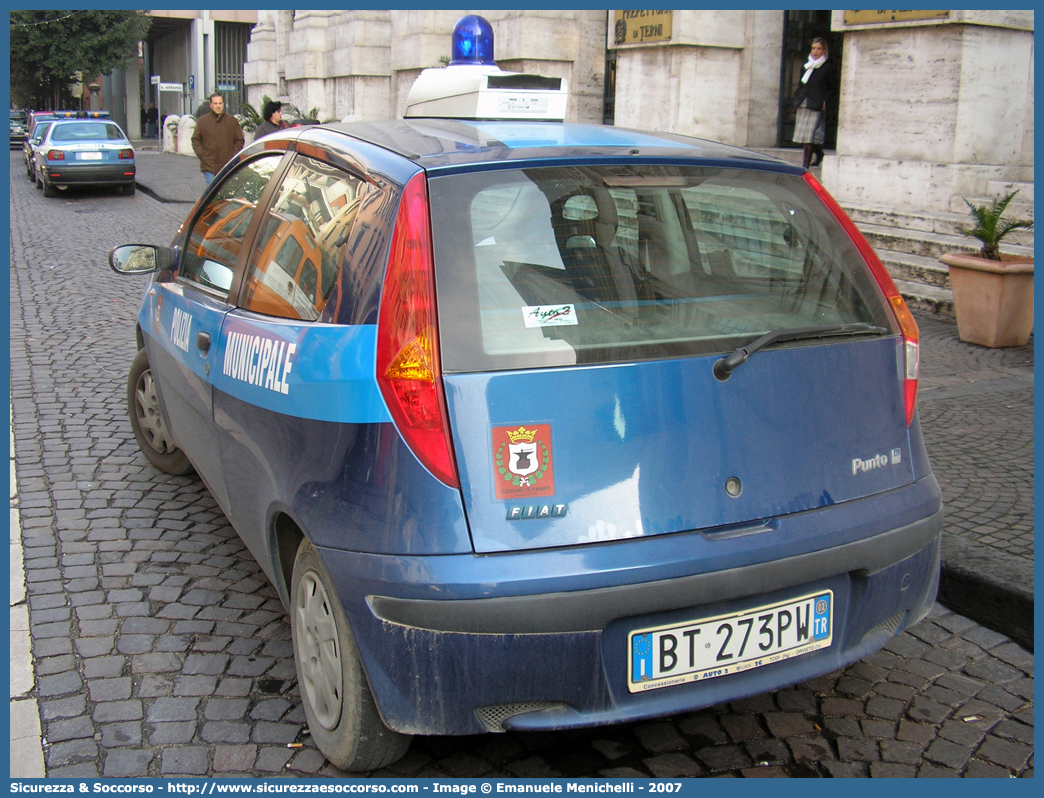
(591, 610)
(522, 652)
(90, 175)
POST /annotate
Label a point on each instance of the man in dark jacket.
(217, 138)
(273, 114)
(151, 121)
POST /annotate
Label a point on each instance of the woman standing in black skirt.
(818, 86)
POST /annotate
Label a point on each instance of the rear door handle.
(203, 342)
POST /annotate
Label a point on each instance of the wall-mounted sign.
(171, 87)
(639, 27)
(226, 87)
(155, 80)
(870, 17)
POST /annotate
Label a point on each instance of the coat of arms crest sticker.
(523, 463)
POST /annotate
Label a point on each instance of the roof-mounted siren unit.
(474, 87)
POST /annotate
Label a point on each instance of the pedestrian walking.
(217, 138)
(272, 111)
(818, 86)
(151, 121)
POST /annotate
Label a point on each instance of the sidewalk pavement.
(976, 409)
(166, 176)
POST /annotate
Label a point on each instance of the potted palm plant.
(992, 292)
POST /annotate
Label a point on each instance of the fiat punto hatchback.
(538, 425)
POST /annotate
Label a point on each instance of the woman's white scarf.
(811, 64)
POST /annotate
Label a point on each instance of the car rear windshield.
(86, 131)
(555, 266)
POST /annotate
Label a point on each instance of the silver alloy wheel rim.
(146, 406)
(319, 650)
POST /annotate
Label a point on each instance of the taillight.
(126, 154)
(907, 325)
(408, 369)
(55, 155)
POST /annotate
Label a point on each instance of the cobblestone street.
(161, 649)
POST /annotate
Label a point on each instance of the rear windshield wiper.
(724, 366)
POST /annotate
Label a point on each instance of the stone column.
(419, 39)
(717, 78)
(933, 110)
(358, 64)
(305, 61)
(260, 72)
(199, 62)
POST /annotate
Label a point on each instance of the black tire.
(337, 702)
(29, 173)
(49, 190)
(128, 190)
(150, 430)
(39, 182)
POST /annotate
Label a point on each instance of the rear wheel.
(338, 705)
(39, 181)
(150, 431)
(128, 189)
(49, 190)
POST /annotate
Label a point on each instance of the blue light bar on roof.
(472, 41)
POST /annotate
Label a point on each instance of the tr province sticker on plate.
(706, 648)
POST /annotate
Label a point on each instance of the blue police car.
(537, 425)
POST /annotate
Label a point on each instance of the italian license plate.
(90, 156)
(740, 641)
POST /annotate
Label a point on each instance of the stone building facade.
(934, 110)
(932, 105)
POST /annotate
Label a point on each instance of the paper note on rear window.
(549, 315)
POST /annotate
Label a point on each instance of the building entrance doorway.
(799, 28)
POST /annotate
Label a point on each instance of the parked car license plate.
(732, 643)
(90, 156)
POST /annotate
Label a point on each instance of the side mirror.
(141, 259)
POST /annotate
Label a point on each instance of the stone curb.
(989, 586)
(26, 749)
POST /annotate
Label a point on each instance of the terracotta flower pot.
(993, 299)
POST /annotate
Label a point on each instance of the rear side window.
(218, 231)
(298, 255)
(562, 265)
